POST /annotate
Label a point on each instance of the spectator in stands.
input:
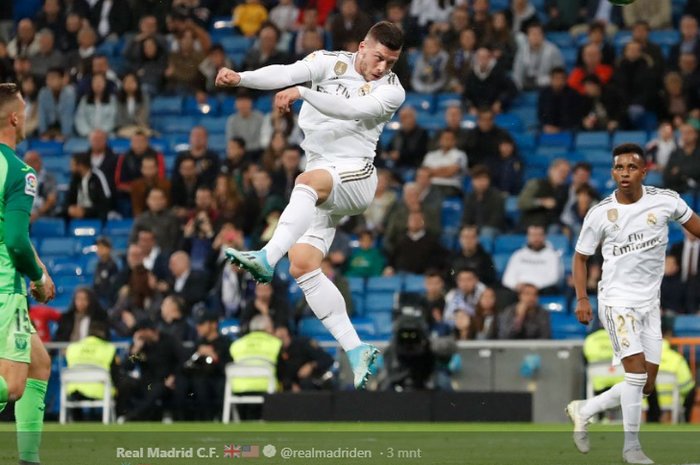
(501, 40)
(199, 232)
(537, 263)
(158, 357)
(521, 15)
(155, 259)
(172, 319)
(582, 197)
(205, 370)
(447, 166)
(21, 68)
(259, 201)
(683, 169)
(303, 364)
(102, 157)
(596, 36)
(431, 15)
(453, 122)
(106, 270)
(640, 34)
(634, 78)
(206, 160)
(75, 322)
(349, 25)
(484, 206)
(428, 196)
(266, 52)
(488, 85)
(462, 60)
(482, 142)
(185, 282)
(246, 123)
(472, 256)
(417, 251)
(396, 13)
(284, 15)
(78, 59)
(433, 300)
(450, 32)
(150, 62)
(235, 161)
(688, 69)
(430, 70)
(410, 143)
(535, 60)
(128, 167)
(97, 109)
(465, 296)
(48, 56)
(397, 218)
(563, 14)
(284, 178)
(129, 296)
(485, 321)
(506, 169)
(89, 195)
(677, 103)
(310, 42)
(309, 22)
(149, 180)
(6, 64)
(133, 107)
(25, 42)
(229, 280)
(284, 123)
(526, 319)
(659, 150)
(384, 199)
(185, 188)
(209, 68)
(148, 28)
(100, 65)
(249, 17)
(331, 272)
(56, 104)
(542, 200)
(601, 107)
(30, 91)
(228, 200)
(45, 200)
(611, 17)
(182, 74)
(689, 43)
(591, 66)
(161, 220)
(263, 304)
(111, 18)
(272, 157)
(687, 254)
(462, 326)
(481, 19)
(50, 17)
(557, 106)
(673, 289)
(692, 8)
(366, 261)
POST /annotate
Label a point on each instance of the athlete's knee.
(15, 389)
(320, 181)
(299, 268)
(304, 259)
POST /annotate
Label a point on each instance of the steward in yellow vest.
(95, 350)
(260, 343)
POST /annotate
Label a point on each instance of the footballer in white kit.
(352, 96)
(631, 225)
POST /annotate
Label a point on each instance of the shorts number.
(621, 320)
(22, 321)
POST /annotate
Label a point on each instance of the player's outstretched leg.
(581, 411)
(328, 305)
(29, 410)
(293, 223)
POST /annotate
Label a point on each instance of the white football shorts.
(354, 186)
(633, 331)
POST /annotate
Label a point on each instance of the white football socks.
(295, 220)
(631, 401)
(602, 402)
(328, 305)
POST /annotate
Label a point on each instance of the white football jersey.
(331, 139)
(634, 241)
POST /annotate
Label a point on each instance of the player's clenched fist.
(584, 312)
(227, 78)
(285, 98)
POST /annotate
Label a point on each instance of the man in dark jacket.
(482, 142)
(488, 84)
(303, 365)
(635, 80)
(88, 193)
(557, 107)
(206, 160)
(484, 207)
(129, 164)
(103, 157)
(410, 143)
(525, 319)
(542, 200)
(417, 251)
(472, 256)
(683, 168)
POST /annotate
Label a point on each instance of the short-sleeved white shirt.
(440, 159)
(634, 239)
(331, 139)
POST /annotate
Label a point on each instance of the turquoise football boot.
(253, 262)
(362, 359)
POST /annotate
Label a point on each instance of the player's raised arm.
(266, 78)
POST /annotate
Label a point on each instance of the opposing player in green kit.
(25, 365)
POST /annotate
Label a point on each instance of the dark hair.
(8, 93)
(217, 48)
(139, 93)
(239, 140)
(448, 131)
(366, 232)
(91, 96)
(481, 170)
(592, 79)
(271, 25)
(643, 23)
(558, 70)
(433, 273)
(146, 229)
(388, 34)
(583, 165)
(597, 26)
(56, 70)
(94, 306)
(99, 328)
(466, 270)
(534, 24)
(82, 159)
(623, 149)
(586, 188)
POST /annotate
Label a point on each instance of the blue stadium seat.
(525, 141)
(386, 137)
(230, 327)
(559, 242)
(365, 325)
(263, 104)
(668, 37)
(67, 269)
(236, 44)
(598, 158)
(512, 210)
(448, 239)
(218, 143)
(566, 326)
(526, 99)
(158, 144)
(194, 108)
(119, 227)
(500, 261)
(509, 243)
(384, 284)
(452, 211)
(421, 102)
(64, 297)
(227, 105)
(510, 121)
(170, 106)
(214, 124)
(383, 322)
(85, 227)
(75, 145)
(59, 246)
(654, 178)
(358, 302)
(430, 122)
(312, 327)
(89, 264)
(690, 199)
(282, 269)
(446, 100)
(561, 140)
(377, 302)
(621, 38)
(294, 293)
(356, 284)
(528, 116)
(560, 39)
(686, 326)
(634, 137)
(237, 58)
(598, 140)
(414, 283)
(554, 303)
(176, 124)
(48, 227)
(487, 243)
(541, 158)
(57, 165)
(46, 148)
(570, 55)
(119, 145)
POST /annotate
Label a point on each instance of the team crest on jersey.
(625, 343)
(30, 184)
(612, 215)
(364, 90)
(310, 56)
(651, 219)
(21, 342)
(340, 68)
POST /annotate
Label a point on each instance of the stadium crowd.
(98, 76)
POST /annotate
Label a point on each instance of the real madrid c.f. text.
(173, 452)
